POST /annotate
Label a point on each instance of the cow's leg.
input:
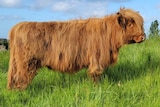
(95, 70)
(17, 75)
(20, 74)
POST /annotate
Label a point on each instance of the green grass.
(134, 81)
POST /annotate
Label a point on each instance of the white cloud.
(63, 6)
(80, 8)
(95, 9)
(107, 0)
(40, 4)
(10, 3)
(119, 0)
(74, 8)
(10, 17)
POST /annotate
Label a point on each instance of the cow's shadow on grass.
(129, 70)
(123, 71)
(52, 79)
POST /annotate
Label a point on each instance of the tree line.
(4, 42)
(154, 30)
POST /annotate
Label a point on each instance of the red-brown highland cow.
(70, 46)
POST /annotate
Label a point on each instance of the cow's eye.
(130, 25)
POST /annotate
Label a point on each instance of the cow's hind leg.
(21, 74)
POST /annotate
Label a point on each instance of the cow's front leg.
(95, 70)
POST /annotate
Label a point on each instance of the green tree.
(154, 30)
(4, 42)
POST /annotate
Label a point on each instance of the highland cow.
(69, 46)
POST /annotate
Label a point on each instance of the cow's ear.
(122, 21)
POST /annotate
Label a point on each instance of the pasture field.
(134, 81)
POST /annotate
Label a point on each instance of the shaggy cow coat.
(70, 46)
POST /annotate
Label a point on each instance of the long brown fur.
(69, 46)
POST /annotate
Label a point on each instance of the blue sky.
(14, 11)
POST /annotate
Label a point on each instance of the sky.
(15, 11)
